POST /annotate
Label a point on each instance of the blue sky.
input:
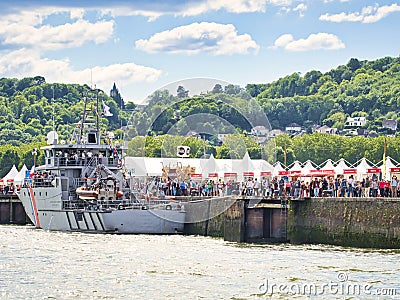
(144, 45)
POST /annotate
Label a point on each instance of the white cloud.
(238, 6)
(319, 41)
(28, 62)
(284, 10)
(194, 8)
(218, 39)
(369, 14)
(281, 2)
(328, 1)
(26, 29)
(189, 8)
(283, 40)
(301, 8)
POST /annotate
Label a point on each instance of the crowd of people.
(328, 186)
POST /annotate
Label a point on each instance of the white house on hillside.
(325, 129)
(356, 121)
(293, 127)
(391, 124)
(275, 132)
(259, 130)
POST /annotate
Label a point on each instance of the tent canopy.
(10, 175)
(386, 167)
(277, 167)
(341, 165)
(328, 165)
(308, 166)
(19, 178)
(296, 166)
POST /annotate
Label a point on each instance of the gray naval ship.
(83, 187)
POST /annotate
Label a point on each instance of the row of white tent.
(148, 166)
(14, 176)
(211, 167)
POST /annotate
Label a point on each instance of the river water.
(40, 264)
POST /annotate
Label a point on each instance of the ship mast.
(83, 118)
(97, 117)
(87, 131)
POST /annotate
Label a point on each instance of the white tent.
(19, 179)
(340, 166)
(385, 167)
(209, 166)
(296, 166)
(10, 175)
(362, 168)
(328, 165)
(308, 165)
(239, 166)
(262, 165)
(277, 167)
(136, 166)
(154, 166)
(246, 163)
(224, 165)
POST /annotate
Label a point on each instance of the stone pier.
(11, 210)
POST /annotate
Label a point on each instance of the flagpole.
(384, 158)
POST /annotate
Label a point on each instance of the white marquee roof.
(19, 178)
(10, 175)
(328, 165)
(296, 166)
(341, 165)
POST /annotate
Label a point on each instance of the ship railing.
(78, 182)
(76, 203)
(73, 204)
(70, 162)
(38, 182)
(112, 161)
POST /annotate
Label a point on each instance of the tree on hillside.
(181, 92)
(217, 89)
(114, 93)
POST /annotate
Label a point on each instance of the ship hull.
(48, 215)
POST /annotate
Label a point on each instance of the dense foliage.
(316, 147)
(30, 108)
(359, 88)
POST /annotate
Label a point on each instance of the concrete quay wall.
(355, 222)
(207, 216)
(12, 210)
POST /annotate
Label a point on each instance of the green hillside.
(27, 108)
(359, 88)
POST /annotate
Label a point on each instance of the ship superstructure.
(82, 186)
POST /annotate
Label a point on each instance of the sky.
(145, 45)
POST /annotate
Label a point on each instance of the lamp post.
(34, 153)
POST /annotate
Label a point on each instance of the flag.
(106, 110)
(32, 172)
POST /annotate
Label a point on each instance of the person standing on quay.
(256, 186)
(367, 187)
(393, 186)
